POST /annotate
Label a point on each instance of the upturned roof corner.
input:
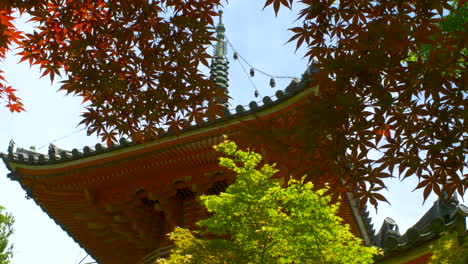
(445, 215)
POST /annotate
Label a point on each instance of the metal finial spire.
(220, 16)
(219, 64)
(220, 30)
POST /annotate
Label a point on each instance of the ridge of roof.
(365, 215)
(444, 215)
(57, 155)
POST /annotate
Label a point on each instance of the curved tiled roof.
(444, 215)
(56, 155)
(94, 180)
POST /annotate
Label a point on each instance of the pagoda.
(119, 202)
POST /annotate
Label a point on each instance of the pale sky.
(257, 35)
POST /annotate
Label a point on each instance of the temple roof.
(161, 154)
(57, 155)
(444, 215)
(128, 195)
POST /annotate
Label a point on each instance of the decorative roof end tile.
(267, 100)
(253, 105)
(444, 215)
(240, 109)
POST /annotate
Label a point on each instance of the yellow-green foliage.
(257, 220)
(447, 250)
(6, 229)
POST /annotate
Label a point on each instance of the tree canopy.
(449, 249)
(392, 81)
(137, 62)
(257, 220)
(6, 230)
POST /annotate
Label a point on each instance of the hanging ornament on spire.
(272, 83)
(256, 93)
(235, 56)
(252, 72)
